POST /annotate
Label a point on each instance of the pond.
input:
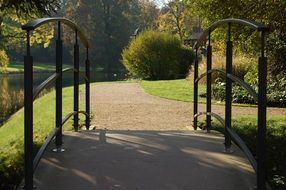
(12, 88)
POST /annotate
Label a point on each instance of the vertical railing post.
(76, 81)
(87, 91)
(209, 83)
(59, 61)
(28, 116)
(228, 89)
(195, 91)
(262, 78)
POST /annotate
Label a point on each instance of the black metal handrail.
(30, 94)
(42, 21)
(259, 97)
(49, 81)
(234, 137)
(252, 24)
(50, 137)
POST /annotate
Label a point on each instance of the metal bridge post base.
(87, 124)
(102, 135)
(34, 187)
(58, 149)
(228, 149)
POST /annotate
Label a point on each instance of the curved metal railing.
(51, 136)
(234, 137)
(30, 94)
(252, 24)
(260, 97)
(42, 21)
(51, 79)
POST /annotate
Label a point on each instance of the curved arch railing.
(260, 97)
(30, 94)
(50, 137)
(51, 79)
(234, 137)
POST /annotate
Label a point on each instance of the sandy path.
(126, 106)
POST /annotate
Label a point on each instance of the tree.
(42, 7)
(269, 12)
(176, 18)
(109, 26)
(13, 13)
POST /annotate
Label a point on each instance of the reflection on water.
(12, 88)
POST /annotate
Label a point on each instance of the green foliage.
(276, 91)
(30, 6)
(241, 66)
(269, 12)
(11, 135)
(4, 59)
(11, 101)
(156, 55)
(187, 58)
(109, 25)
(246, 128)
(14, 13)
(239, 95)
(175, 18)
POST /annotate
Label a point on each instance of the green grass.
(181, 90)
(37, 67)
(11, 135)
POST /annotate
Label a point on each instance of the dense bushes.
(276, 91)
(155, 55)
(239, 95)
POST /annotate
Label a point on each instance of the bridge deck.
(144, 160)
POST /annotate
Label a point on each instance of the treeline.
(110, 24)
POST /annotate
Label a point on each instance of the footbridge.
(142, 159)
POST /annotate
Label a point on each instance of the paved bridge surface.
(144, 160)
(148, 145)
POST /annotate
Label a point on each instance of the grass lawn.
(11, 134)
(37, 67)
(182, 90)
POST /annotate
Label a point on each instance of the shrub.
(156, 55)
(241, 65)
(276, 92)
(11, 102)
(4, 59)
(239, 95)
(187, 58)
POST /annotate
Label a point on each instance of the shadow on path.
(144, 160)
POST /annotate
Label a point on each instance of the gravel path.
(125, 106)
